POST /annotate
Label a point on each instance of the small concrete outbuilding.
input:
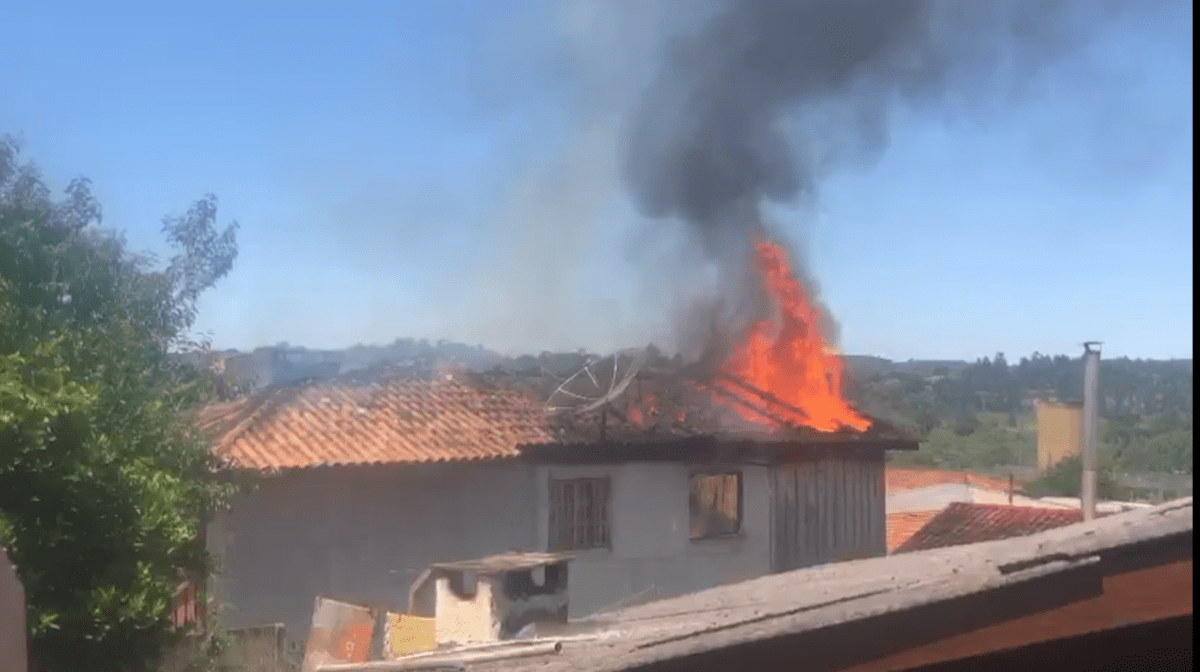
(494, 598)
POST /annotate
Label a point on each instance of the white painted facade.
(652, 555)
(360, 535)
(363, 535)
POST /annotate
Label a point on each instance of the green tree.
(1147, 407)
(1065, 479)
(103, 480)
(966, 423)
(1167, 452)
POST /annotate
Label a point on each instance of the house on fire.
(365, 481)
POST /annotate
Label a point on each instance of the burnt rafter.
(749, 405)
(786, 415)
(762, 394)
(692, 400)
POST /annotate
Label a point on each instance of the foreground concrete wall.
(652, 555)
(361, 535)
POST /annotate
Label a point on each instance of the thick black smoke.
(707, 143)
(769, 96)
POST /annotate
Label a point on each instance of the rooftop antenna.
(598, 383)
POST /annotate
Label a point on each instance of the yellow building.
(1059, 431)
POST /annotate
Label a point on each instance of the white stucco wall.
(361, 535)
(364, 535)
(652, 555)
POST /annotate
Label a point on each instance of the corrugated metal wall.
(827, 510)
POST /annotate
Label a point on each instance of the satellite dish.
(599, 382)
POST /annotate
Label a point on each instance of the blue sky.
(448, 169)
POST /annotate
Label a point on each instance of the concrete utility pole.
(1091, 426)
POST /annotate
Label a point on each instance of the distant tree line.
(1146, 406)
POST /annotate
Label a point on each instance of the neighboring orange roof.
(375, 422)
(902, 525)
(962, 523)
(900, 479)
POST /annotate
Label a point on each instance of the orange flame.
(788, 357)
(643, 410)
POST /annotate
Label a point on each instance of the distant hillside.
(284, 363)
(1129, 386)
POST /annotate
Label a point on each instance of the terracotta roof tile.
(962, 523)
(383, 416)
(900, 479)
(376, 422)
(904, 524)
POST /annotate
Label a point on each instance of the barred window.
(715, 505)
(579, 514)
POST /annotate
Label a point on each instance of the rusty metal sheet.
(341, 633)
(407, 634)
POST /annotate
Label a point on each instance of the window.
(716, 505)
(579, 514)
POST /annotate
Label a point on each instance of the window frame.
(598, 536)
(709, 534)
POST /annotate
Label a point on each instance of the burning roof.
(786, 356)
(776, 381)
(385, 416)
